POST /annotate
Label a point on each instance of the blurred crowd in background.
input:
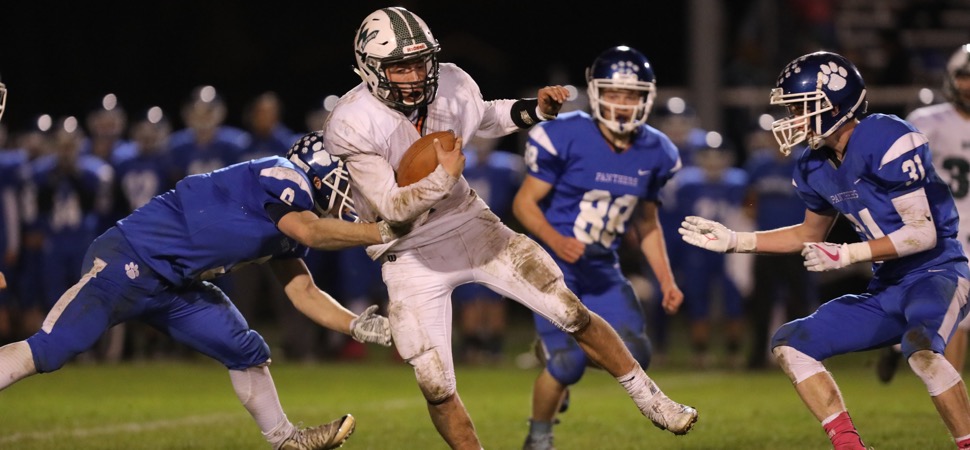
(67, 179)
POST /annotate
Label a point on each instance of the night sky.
(60, 58)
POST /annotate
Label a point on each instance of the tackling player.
(589, 178)
(947, 126)
(876, 171)
(154, 265)
(455, 238)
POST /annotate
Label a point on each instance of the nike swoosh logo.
(832, 256)
(642, 172)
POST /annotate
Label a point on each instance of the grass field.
(190, 405)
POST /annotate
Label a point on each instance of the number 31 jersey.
(885, 158)
(949, 138)
(595, 189)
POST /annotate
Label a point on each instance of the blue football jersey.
(885, 158)
(213, 222)
(595, 189)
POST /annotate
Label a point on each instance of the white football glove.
(824, 256)
(371, 327)
(708, 234)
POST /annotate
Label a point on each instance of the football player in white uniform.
(947, 126)
(455, 239)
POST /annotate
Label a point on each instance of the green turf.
(189, 405)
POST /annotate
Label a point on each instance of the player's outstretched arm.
(3, 281)
(331, 234)
(323, 309)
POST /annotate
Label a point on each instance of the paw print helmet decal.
(822, 91)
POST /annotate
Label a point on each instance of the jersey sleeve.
(670, 165)
(284, 185)
(542, 159)
(902, 168)
(813, 201)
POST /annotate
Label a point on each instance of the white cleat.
(323, 437)
(669, 415)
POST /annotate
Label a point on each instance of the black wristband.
(524, 112)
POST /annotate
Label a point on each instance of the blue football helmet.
(330, 180)
(958, 67)
(391, 36)
(621, 68)
(822, 92)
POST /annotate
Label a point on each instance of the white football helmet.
(394, 35)
(958, 66)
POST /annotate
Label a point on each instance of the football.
(420, 159)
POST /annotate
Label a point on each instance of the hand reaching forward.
(707, 234)
(371, 327)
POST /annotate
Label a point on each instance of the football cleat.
(323, 437)
(538, 442)
(669, 415)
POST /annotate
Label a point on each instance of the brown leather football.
(420, 158)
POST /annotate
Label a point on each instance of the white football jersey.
(949, 140)
(372, 137)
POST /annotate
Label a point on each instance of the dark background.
(60, 58)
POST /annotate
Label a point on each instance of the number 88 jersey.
(949, 139)
(595, 190)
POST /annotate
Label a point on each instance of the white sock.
(255, 389)
(641, 388)
(16, 363)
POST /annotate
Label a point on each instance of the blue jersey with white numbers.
(885, 158)
(596, 189)
(213, 222)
